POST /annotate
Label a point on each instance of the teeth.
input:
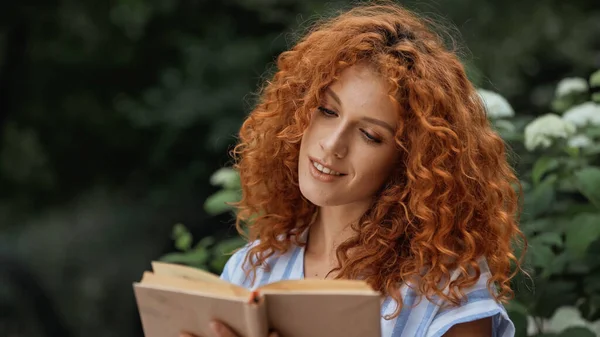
(325, 170)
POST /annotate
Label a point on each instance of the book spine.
(256, 316)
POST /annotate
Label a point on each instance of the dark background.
(114, 114)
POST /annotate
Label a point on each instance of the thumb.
(221, 330)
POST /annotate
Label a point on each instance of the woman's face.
(348, 150)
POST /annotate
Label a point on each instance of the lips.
(318, 172)
(325, 168)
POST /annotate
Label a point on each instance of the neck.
(332, 227)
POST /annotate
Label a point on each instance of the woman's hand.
(221, 330)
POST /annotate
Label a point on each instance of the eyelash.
(330, 114)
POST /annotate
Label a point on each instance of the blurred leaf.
(584, 229)
(520, 322)
(229, 245)
(548, 238)
(541, 198)
(577, 332)
(222, 252)
(588, 182)
(226, 177)
(577, 266)
(184, 242)
(517, 306)
(193, 258)
(590, 308)
(561, 104)
(595, 79)
(217, 203)
(183, 238)
(542, 166)
(538, 225)
(558, 266)
(205, 242)
(592, 258)
(541, 256)
(552, 295)
(218, 263)
(592, 131)
(567, 184)
(591, 283)
(178, 230)
(573, 152)
(574, 209)
(591, 150)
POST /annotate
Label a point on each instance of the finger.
(221, 330)
(274, 334)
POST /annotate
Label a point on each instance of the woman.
(370, 157)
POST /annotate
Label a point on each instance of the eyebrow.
(380, 123)
(334, 96)
(372, 120)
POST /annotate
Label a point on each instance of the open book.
(176, 298)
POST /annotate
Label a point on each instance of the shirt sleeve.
(478, 304)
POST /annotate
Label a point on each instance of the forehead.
(364, 92)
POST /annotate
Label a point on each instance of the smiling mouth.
(325, 170)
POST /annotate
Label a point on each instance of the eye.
(370, 138)
(326, 112)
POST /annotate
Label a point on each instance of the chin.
(317, 196)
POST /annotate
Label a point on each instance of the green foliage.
(587, 181)
(561, 217)
(230, 192)
(595, 86)
(207, 254)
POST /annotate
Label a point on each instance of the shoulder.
(421, 317)
(234, 268)
(279, 266)
(478, 304)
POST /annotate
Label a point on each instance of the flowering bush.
(559, 169)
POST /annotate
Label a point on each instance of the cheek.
(377, 167)
(308, 132)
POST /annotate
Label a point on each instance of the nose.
(334, 144)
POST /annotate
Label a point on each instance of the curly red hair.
(451, 200)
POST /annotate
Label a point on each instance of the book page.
(190, 273)
(214, 289)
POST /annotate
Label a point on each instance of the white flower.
(579, 141)
(563, 318)
(571, 85)
(583, 114)
(542, 130)
(495, 105)
(566, 317)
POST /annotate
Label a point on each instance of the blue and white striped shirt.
(426, 319)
